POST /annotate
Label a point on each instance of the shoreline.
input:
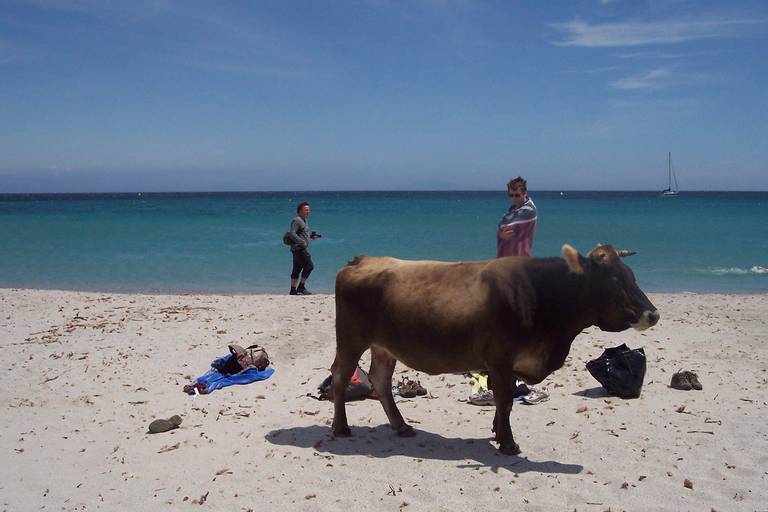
(279, 293)
(86, 372)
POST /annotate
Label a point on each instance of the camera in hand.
(314, 235)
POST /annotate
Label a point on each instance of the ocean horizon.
(230, 242)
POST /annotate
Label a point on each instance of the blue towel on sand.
(214, 379)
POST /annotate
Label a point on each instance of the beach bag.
(242, 359)
(359, 387)
(287, 240)
(620, 370)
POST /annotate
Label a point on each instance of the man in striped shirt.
(518, 226)
(514, 237)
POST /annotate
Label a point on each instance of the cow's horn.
(624, 253)
(571, 257)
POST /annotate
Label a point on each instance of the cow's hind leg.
(382, 367)
(342, 369)
(501, 384)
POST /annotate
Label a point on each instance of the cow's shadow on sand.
(382, 442)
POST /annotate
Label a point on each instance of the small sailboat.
(670, 191)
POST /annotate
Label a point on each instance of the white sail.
(671, 191)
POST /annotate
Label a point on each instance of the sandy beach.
(85, 374)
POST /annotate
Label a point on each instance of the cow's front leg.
(501, 384)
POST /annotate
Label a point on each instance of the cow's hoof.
(406, 431)
(510, 449)
(342, 432)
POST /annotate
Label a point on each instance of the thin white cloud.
(588, 71)
(654, 79)
(638, 33)
(668, 55)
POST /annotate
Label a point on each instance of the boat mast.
(669, 167)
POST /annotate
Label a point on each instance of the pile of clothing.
(240, 366)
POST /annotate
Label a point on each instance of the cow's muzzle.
(647, 319)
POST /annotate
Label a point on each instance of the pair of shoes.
(482, 397)
(293, 291)
(162, 425)
(685, 381)
(408, 388)
(535, 396)
(303, 291)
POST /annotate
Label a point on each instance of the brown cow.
(514, 316)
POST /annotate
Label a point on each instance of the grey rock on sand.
(163, 425)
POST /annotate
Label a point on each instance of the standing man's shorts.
(302, 264)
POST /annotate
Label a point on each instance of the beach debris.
(310, 496)
(688, 484)
(581, 409)
(49, 379)
(168, 448)
(201, 499)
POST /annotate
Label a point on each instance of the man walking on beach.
(302, 261)
(517, 227)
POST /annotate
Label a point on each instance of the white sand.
(84, 374)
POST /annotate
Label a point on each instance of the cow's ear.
(573, 259)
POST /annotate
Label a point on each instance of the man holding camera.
(299, 236)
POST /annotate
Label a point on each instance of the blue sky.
(97, 95)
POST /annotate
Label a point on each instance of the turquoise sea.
(231, 242)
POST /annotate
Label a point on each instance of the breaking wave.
(735, 271)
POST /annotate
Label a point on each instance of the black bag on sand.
(359, 387)
(620, 370)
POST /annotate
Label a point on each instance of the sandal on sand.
(408, 388)
(162, 425)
